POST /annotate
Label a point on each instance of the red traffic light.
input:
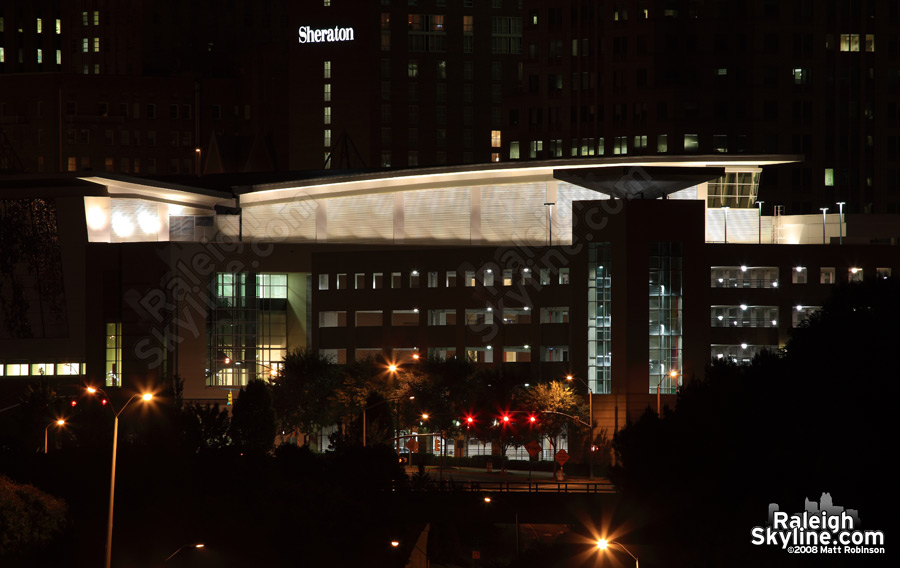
(506, 418)
(103, 402)
(73, 403)
(470, 420)
(532, 418)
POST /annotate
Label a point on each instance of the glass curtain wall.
(599, 320)
(665, 316)
(247, 329)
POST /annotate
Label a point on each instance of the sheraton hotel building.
(618, 271)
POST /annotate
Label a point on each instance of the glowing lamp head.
(569, 377)
(424, 416)
(91, 390)
(395, 543)
(60, 422)
(199, 544)
(147, 396)
(415, 356)
(602, 544)
(392, 368)
(673, 373)
(487, 499)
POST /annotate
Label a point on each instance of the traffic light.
(532, 419)
(470, 421)
(506, 419)
(73, 403)
(104, 402)
(230, 399)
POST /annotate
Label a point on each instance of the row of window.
(39, 24)
(486, 277)
(767, 276)
(756, 316)
(41, 369)
(128, 165)
(444, 316)
(480, 354)
(39, 56)
(619, 146)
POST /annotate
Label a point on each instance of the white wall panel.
(361, 219)
(290, 221)
(437, 215)
(566, 193)
(514, 214)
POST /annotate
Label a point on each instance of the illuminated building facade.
(545, 269)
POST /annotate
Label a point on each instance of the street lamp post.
(591, 419)
(197, 545)
(759, 221)
(725, 224)
(112, 479)
(673, 374)
(549, 206)
(603, 544)
(59, 423)
(823, 210)
(841, 226)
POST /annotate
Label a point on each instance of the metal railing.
(549, 486)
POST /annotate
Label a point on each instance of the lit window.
(327, 93)
(40, 56)
(58, 26)
(883, 273)
(84, 45)
(68, 368)
(40, 26)
(514, 150)
(829, 177)
(327, 115)
(826, 275)
(327, 137)
(323, 281)
(850, 42)
(495, 138)
(870, 42)
(84, 18)
(798, 275)
(327, 69)
(855, 274)
(96, 18)
(42, 369)
(96, 44)
(59, 57)
(2, 55)
(413, 69)
(691, 143)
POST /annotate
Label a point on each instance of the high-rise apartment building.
(709, 77)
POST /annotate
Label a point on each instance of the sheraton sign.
(325, 35)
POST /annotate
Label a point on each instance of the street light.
(112, 479)
(823, 210)
(725, 213)
(197, 545)
(591, 418)
(841, 226)
(603, 544)
(673, 374)
(59, 423)
(759, 221)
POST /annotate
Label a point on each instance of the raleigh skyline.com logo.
(822, 528)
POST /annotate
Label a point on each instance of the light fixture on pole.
(725, 209)
(604, 544)
(549, 206)
(197, 545)
(673, 374)
(841, 226)
(759, 221)
(591, 418)
(59, 423)
(823, 210)
(112, 478)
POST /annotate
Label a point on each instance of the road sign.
(533, 448)
(562, 457)
(412, 445)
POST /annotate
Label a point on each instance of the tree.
(29, 518)
(301, 390)
(816, 417)
(253, 423)
(558, 409)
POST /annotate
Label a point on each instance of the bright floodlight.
(392, 368)
(424, 416)
(673, 373)
(569, 377)
(602, 544)
(487, 499)
(395, 543)
(91, 390)
(199, 545)
(147, 396)
(61, 422)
